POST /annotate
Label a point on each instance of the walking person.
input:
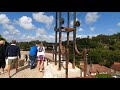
(2, 55)
(13, 55)
(40, 57)
(33, 55)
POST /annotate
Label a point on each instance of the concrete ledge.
(51, 71)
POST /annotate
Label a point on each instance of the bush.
(103, 76)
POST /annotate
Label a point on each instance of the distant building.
(94, 69)
(115, 68)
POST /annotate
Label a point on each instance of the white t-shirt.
(41, 51)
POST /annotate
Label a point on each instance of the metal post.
(67, 47)
(56, 39)
(74, 40)
(85, 65)
(53, 52)
(60, 41)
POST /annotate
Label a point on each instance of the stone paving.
(24, 72)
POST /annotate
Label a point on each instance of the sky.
(29, 26)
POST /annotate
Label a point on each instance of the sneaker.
(31, 67)
(2, 72)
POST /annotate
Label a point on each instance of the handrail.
(77, 51)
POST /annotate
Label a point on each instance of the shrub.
(103, 76)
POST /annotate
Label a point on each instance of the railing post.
(74, 40)
(56, 39)
(85, 61)
(67, 47)
(60, 40)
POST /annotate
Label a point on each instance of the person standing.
(13, 55)
(2, 55)
(40, 57)
(33, 55)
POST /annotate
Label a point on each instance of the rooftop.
(116, 66)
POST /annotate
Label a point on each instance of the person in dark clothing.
(13, 55)
(2, 55)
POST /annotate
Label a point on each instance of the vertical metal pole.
(67, 47)
(56, 39)
(85, 65)
(53, 52)
(74, 40)
(60, 41)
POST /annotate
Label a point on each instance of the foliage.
(103, 49)
(103, 76)
(6, 43)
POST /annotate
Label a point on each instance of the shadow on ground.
(22, 68)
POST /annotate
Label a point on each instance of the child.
(40, 57)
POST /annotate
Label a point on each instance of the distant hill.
(103, 49)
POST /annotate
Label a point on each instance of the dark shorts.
(2, 64)
(40, 58)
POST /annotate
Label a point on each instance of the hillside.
(103, 49)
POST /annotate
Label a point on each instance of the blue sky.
(28, 26)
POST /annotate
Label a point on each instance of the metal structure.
(85, 61)
(67, 30)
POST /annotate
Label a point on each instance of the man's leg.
(16, 64)
(31, 62)
(34, 58)
(9, 67)
(3, 66)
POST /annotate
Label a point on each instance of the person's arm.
(19, 54)
(6, 52)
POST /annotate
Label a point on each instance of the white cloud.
(11, 29)
(40, 17)
(91, 17)
(9, 38)
(46, 37)
(85, 36)
(25, 37)
(92, 28)
(118, 24)
(112, 30)
(4, 19)
(80, 30)
(5, 33)
(40, 31)
(71, 23)
(26, 23)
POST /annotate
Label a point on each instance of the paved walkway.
(24, 72)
